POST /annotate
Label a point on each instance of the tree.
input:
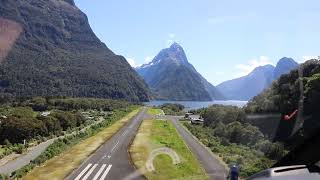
(17, 129)
(39, 104)
(66, 119)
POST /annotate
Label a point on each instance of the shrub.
(20, 149)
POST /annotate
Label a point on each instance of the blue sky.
(222, 39)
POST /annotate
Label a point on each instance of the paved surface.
(25, 159)
(111, 160)
(212, 166)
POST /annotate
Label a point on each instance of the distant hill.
(284, 66)
(172, 77)
(246, 87)
(47, 48)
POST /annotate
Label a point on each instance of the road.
(112, 160)
(25, 159)
(214, 169)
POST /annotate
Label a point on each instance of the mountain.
(47, 48)
(172, 77)
(246, 87)
(284, 66)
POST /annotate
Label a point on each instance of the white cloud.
(171, 35)
(245, 69)
(132, 62)
(306, 58)
(148, 59)
(171, 39)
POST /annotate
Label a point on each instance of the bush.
(7, 142)
(3, 177)
(225, 114)
(275, 151)
(172, 109)
(20, 149)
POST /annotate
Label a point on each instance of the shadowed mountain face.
(246, 87)
(284, 66)
(172, 77)
(47, 48)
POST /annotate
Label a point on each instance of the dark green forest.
(57, 54)
(22, 120)
(228, 134)
(172, 109)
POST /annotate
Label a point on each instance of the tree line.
(21, 120)
(172, 108)
(227, 133)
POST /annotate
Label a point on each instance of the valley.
(189, 96)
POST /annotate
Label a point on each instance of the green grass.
(154, 111)
(2, 150)
(155, 134)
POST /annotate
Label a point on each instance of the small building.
(45, 113)
(196, 121)
(187, 115)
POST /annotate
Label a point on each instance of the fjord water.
(198, 104)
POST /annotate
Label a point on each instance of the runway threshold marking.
(99, 172)
(83, 171)
(89, 172)
(106, 172)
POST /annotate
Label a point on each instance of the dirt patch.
(9, 33)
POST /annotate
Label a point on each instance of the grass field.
(155, 134)
(154, 111)
(60, 166)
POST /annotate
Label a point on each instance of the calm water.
(199, 104)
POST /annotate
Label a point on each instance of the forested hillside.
(47, 48)
(283, 98)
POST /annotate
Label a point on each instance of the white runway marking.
(99, 172)
(83, 171)
(115, 146)
(125, 132)
(106, 172)
(89, 172)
